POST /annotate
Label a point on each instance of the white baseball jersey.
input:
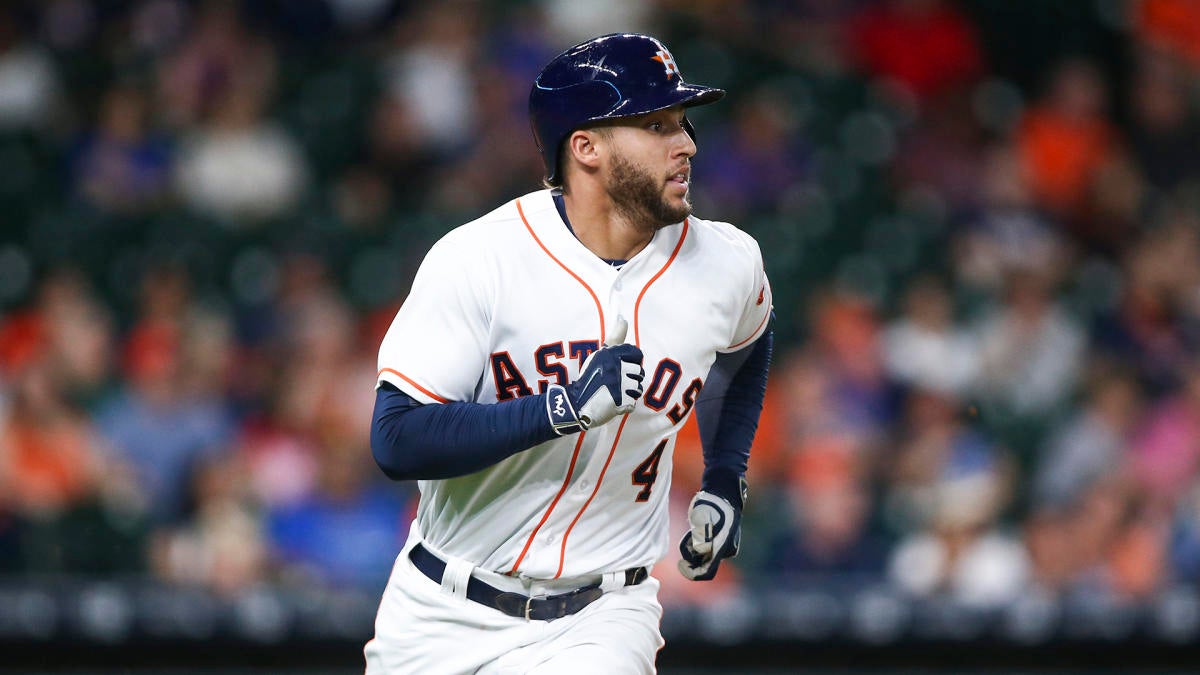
(512, 302)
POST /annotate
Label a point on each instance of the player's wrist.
(726, 484)
(561, 413)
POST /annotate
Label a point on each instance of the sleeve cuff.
(725, 484)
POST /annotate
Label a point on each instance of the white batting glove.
(716, 534)
(609, 385)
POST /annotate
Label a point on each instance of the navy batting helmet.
(608, 77)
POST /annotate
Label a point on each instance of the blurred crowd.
(981, 220)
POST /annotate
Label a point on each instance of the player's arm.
(434, 353)
(411, 441)
(727, 413)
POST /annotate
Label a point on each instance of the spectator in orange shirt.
(1064, 139)
(48, 461)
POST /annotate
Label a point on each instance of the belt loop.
(612, 581)
(456, 577)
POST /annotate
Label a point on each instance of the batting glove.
(716, 534)
(609, 385)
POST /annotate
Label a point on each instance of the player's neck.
(604, 229)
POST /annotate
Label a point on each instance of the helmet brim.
(686, 95)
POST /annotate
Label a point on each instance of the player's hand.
(716, 534)
(609, 385)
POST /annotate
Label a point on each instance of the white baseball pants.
(427, 628)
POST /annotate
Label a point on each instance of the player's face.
(650, 169)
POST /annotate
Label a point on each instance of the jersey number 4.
(646, 473)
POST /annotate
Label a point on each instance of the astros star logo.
(664, 57)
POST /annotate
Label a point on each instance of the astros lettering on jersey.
(510, 303)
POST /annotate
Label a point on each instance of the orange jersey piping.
(637, 337)
(578, 444)
(752, 334)
(562, 555)
(409, 380)
(546, 515)
(599, 308)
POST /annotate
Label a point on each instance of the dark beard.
(639, 197)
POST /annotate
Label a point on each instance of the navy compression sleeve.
(727, 413)
(411, 441)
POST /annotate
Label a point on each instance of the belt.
(535, 608)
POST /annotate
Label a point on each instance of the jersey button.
(549, 537)
(584, 484)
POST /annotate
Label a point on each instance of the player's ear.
(585, 146)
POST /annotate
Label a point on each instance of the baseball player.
(536, 375)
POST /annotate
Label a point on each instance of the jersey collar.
(552, 226)
(561, 205)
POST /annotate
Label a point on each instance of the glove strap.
(563, 417)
